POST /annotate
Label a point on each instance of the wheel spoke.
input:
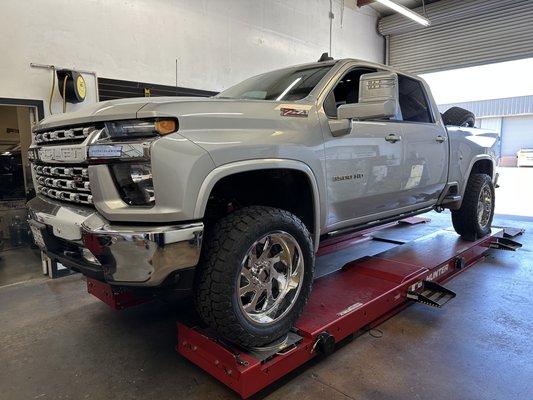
(252, 257)
(275, 274)
(252, 305)
(293, 283)
(247, 274)
(266, 249)
(276, 259)
(269, 296)
(246, 289)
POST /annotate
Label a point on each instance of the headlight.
(128, 140)
(134, 181)
(133, 129)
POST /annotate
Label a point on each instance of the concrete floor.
(58, 342)
(19, 265)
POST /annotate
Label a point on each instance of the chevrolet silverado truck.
(228, 198)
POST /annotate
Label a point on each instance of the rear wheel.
(474, 218)
(255, 275)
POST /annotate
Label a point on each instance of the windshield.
(285, 84)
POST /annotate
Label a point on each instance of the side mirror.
(378, 98)
(362, 111)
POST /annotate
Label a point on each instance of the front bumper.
(83, 240)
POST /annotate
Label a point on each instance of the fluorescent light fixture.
(405, 11)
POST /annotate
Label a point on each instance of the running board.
(502, 243)
(431, 294)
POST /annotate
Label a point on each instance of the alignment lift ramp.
(342, 305)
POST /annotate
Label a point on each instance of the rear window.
(413, 101)
(282, 85)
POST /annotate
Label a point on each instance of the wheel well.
(287, 189)
(482, 167)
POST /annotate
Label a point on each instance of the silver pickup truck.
(228, 198)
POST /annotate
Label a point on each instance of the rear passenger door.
(425, 146)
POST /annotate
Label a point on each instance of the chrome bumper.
(127, 255)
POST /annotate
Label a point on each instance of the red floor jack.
(361, 295)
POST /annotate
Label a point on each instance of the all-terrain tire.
(458, 116)
(226, 245)
(466, 220)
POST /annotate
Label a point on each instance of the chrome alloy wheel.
(271, 277)
(484, 206)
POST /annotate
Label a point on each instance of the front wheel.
(473, 220)
(255, 275)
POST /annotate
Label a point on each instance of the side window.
(413, 101)
(345, 92)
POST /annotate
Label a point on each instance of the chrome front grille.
(67, 183)
(74, 135)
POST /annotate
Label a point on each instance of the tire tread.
(465, 218)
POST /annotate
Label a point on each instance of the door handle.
(440, 139)
(392, 138)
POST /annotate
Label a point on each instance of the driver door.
(364, 166)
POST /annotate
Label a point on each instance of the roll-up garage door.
(517, 133)
(463, 33)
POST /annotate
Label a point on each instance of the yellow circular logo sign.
(80, 87)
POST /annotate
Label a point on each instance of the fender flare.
(254, 165)
(477, 158)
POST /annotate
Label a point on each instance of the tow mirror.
(364, 111)
(378, 98)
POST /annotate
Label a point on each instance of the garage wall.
(218, 43)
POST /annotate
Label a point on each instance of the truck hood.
(102, 111)
(193, 113)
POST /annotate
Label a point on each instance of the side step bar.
(431, 294)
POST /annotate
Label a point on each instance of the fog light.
(135, 183)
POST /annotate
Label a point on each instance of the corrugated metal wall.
(463, 33)
(495, 107)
